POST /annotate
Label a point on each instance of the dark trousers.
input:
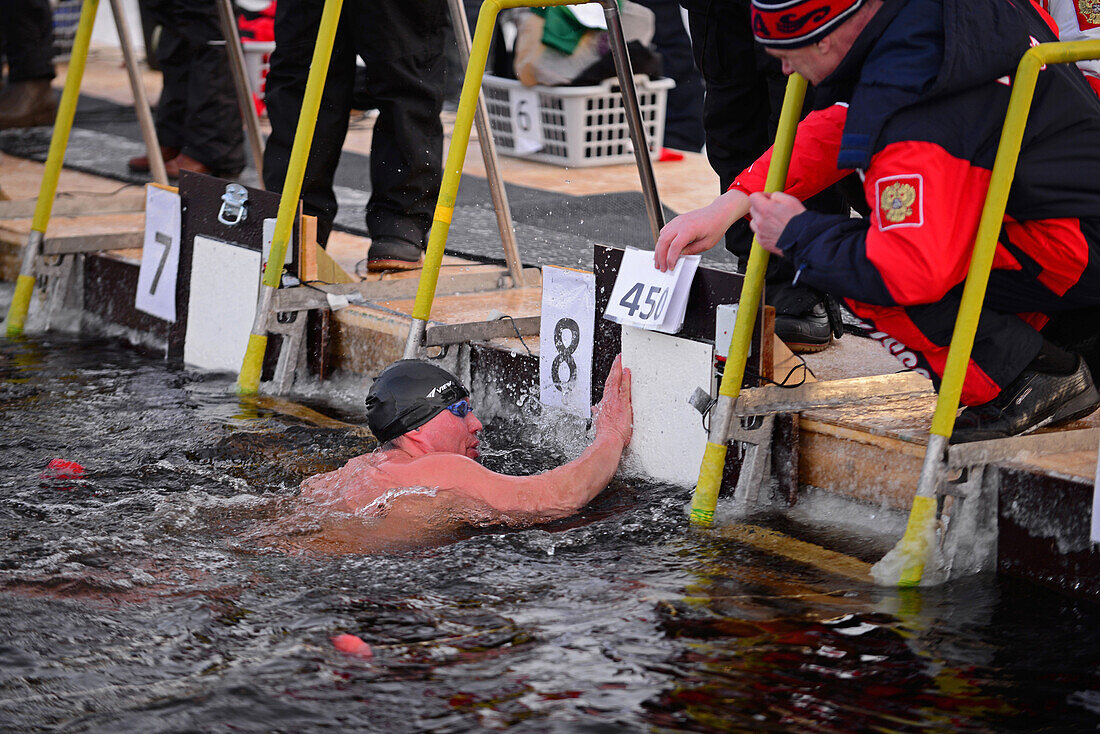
(744, 95)
(1019, 312)
(197, 111)
(401, 43)
(684, 110)
(26, 39)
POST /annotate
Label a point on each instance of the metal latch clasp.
(234, 202)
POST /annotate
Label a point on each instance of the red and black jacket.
(926, 87)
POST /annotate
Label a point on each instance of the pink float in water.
(352, 645)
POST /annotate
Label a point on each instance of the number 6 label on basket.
(525, 120)
(647, 298)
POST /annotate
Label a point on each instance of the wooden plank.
(849, 464)
(92, 243)
(855, 435)
(128, 202)
(826, 393)
(463, 282)
(480, 331)
(1013, 448)
(776, 543)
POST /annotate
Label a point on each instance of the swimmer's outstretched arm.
(557, 493)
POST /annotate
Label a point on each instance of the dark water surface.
(145, 597)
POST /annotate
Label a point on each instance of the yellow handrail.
(248, 383)
(705, 497)
(915, 546)
(456, 156)
(66, 110)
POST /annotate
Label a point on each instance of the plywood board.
(225, 283)
(669, 438)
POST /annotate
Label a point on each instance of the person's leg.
(296, 26)
(28, 38)
(684, 109)
(736, 104)
(1015, 380)
(402, 48)
(27, 99)
(213, 132)
(172, 57)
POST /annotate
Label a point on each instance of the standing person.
(684, 111)
(744, 94)
(198, 121)
(26, 42)
(924, 142)
(401, 44)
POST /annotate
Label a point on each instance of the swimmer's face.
(454, 435)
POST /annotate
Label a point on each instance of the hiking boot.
(391, 254)
(140, 164)
(27, 104)
(1032, 400)
(805, 333)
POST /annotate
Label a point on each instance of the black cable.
(96, 193)
(516, 329)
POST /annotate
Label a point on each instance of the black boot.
(1032, 400)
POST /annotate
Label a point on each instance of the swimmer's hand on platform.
(614, 414)
(698, 230)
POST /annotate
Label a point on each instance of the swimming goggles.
(461, 408)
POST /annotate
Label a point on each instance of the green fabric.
(562, 31)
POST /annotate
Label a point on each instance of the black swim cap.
(408, 394)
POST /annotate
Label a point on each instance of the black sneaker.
(391, 254)
(805, 333)
(1032, 400)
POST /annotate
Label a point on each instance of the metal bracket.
(234, 205)
(969, 544)
(58, 276)
(756, 438)
(292, 352)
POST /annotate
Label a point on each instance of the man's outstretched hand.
(698, 230)
(614, 414)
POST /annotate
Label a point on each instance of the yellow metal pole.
(456, 156)
(66, 110)
(705, 498)
(916, 546)
(248, 383)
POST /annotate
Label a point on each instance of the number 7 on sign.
(166, 240)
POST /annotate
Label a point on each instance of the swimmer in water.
(422, 417)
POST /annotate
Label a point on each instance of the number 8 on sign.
(567, 327)
(565, 352)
